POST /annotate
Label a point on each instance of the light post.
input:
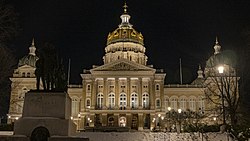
(179, 121)
(78, 122)
(221, 71)
(159, 115)
(169, 126)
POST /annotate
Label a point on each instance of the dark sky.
(172, 29)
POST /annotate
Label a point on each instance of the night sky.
(172, 29)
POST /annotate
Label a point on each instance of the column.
(140, 92)
(151, 95)
(141, 121)
(105, 90)
(92, 119)
(152, 124)
(93, 95)
(82, 122)
(104, 119)
(116, 93)
(128, 119)
(116, 117)
(128, 93)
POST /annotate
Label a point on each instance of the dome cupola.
(125, 43)
(31, 58)
(125, 32)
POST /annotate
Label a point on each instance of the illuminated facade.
(123, 92)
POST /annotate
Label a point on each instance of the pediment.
(123, 65)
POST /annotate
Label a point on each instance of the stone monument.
(46, 113)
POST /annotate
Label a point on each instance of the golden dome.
(123, 34)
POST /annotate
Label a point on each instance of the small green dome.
(224, 57)
(28, 60)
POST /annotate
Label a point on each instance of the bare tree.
(8, 29)
(7, 63)
(8, 22)
(222, 92)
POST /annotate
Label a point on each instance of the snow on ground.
(153, 136)
(147, 136)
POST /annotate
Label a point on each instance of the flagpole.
(180, 72)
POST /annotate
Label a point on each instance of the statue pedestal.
(45, 114)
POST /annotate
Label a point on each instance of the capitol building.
(124, 91)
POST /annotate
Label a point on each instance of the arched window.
(99, 100)
(28, 74)
(111, 100)
(122, 121)
(192, 105)
(158, 103)
(88, 103)
(23, 74)
(167, 104)
(145, 100)
(134, 100)
(173, 102)
(183, 102)
(111, 121)
(123, 101)
(75, 106)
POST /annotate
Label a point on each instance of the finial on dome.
(32, 48)
(217, 46)
(125, 17)
(216, 40)
(125, 7)
(200, 72)
(33, 42)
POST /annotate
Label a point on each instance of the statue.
(50, 70)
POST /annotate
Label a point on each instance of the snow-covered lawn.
(153, 136)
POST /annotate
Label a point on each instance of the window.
(158, 103)
(88, 103)
(111, 100)
(123, 101)
(122, 86)
(99, 100)
(134, 100)
(167, 104)
(75, 106)
(157, 87)
(134, 86)
(23, 74)
(182, 103)
(28, 74)
(100, 86)
(145, 100)
(192, 103)
(173, 102)
(145, 86)
(88, 87)
(111, 86)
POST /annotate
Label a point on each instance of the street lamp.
(221, 71)
(79, 117)
(169, 110)
(179, 121)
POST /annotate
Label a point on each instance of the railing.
(182, 86)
